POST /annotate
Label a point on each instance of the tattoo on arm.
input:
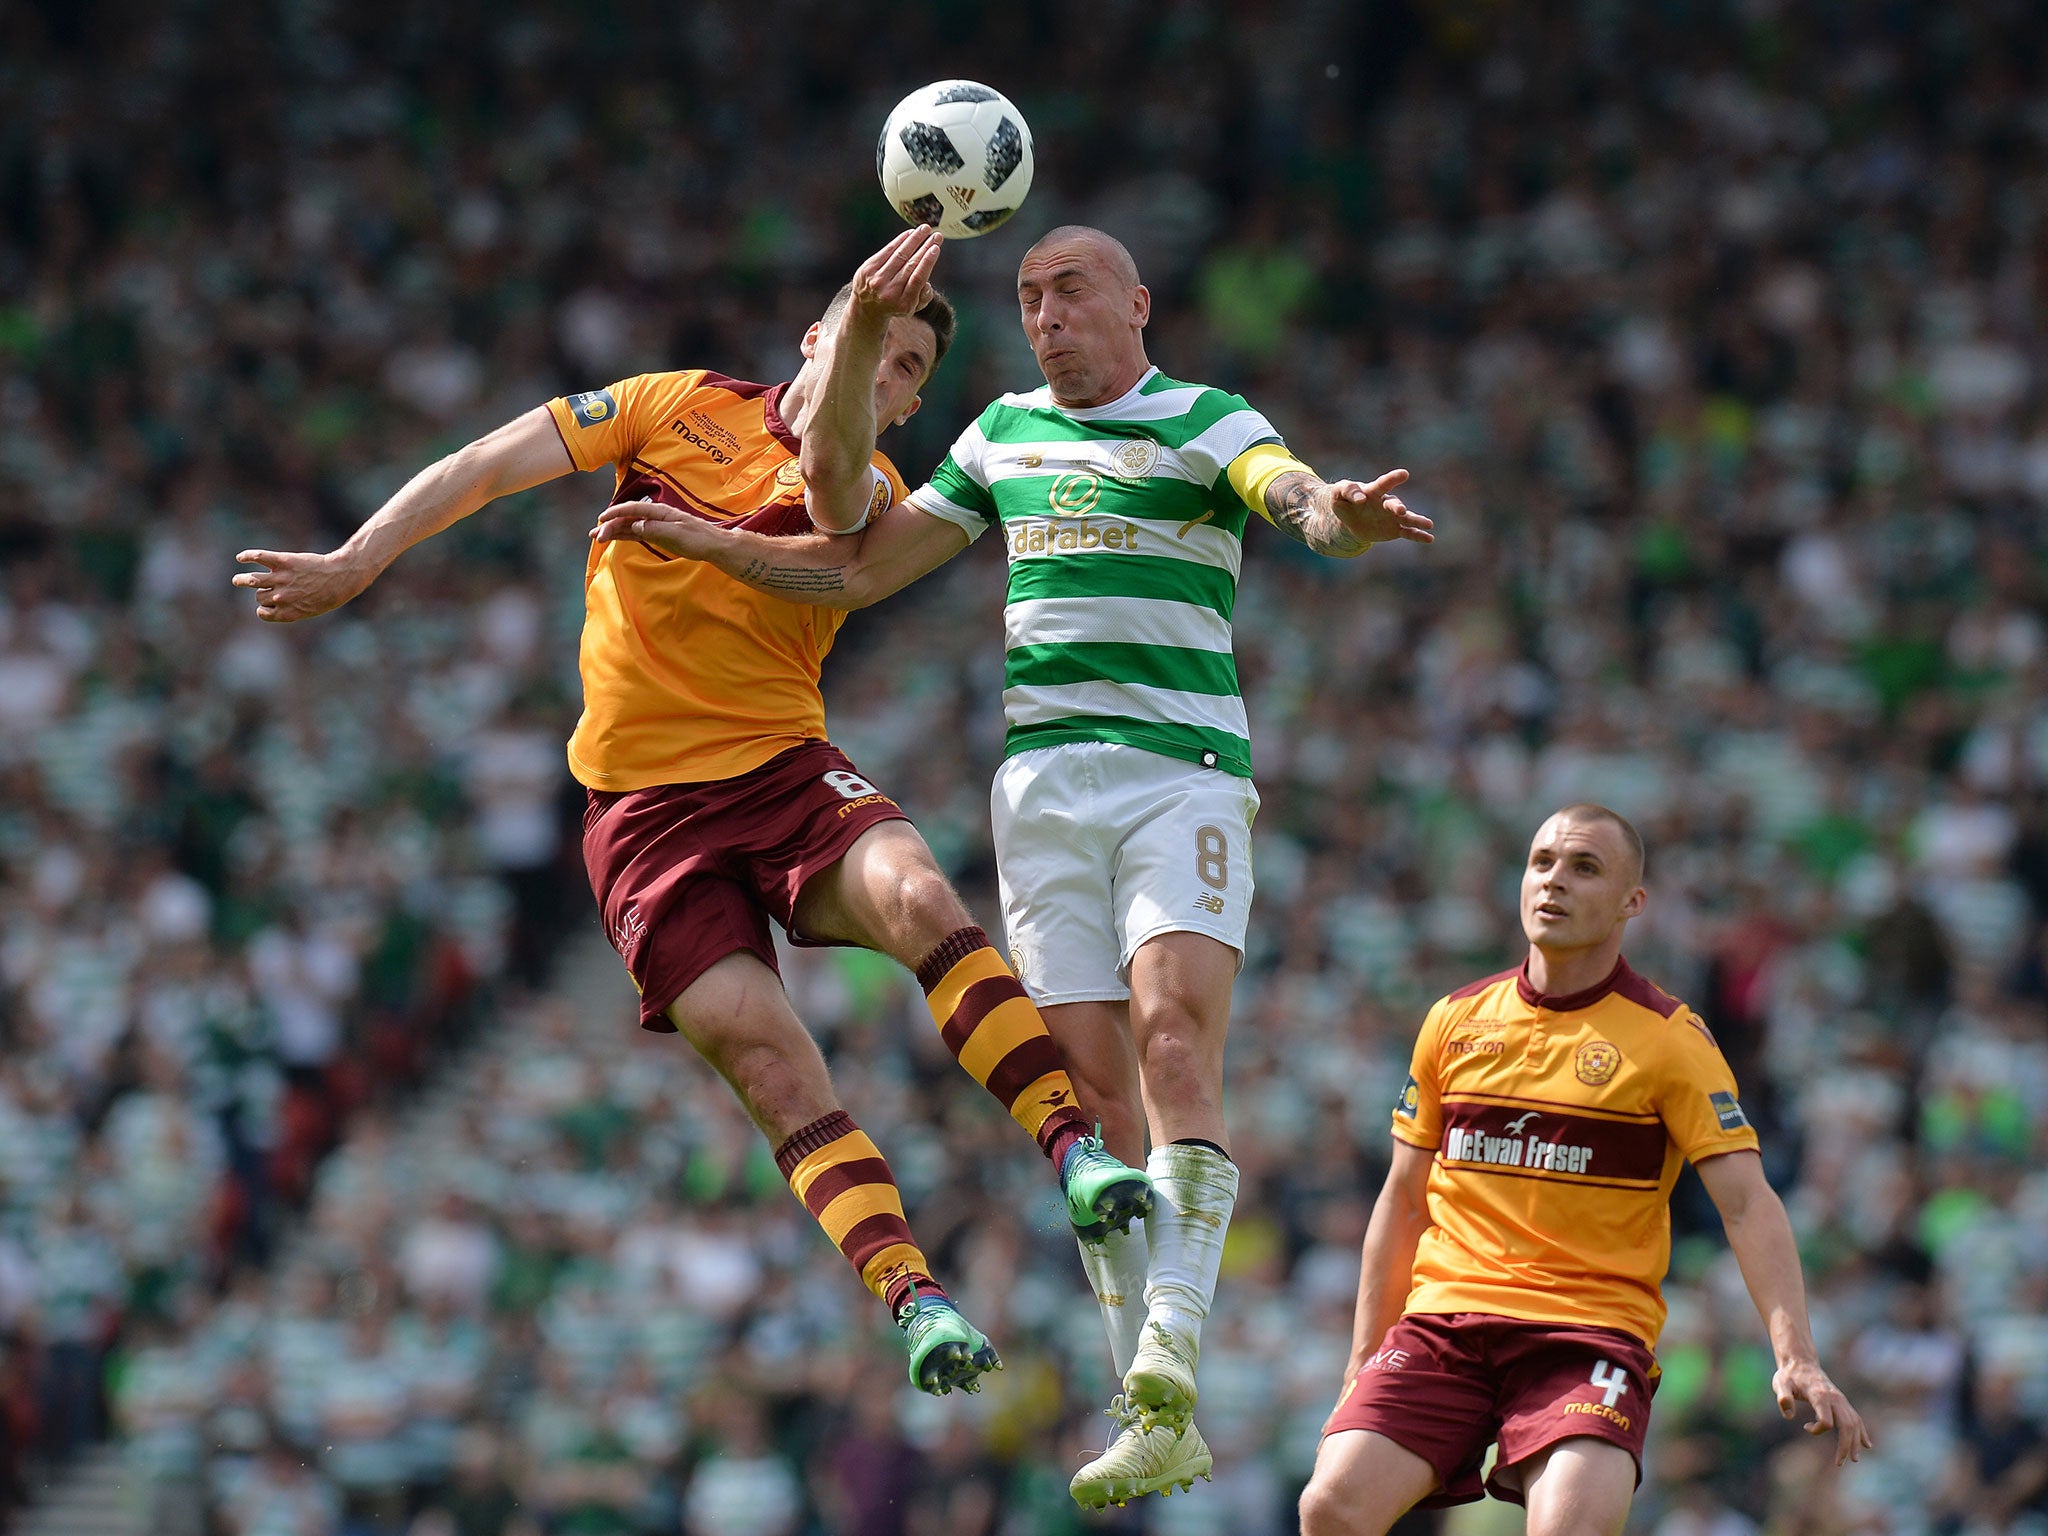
(794, 578)
(1291, 502)
(1298, 506)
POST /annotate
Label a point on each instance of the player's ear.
(1637, 900)
(810, 341)
(1141, 305)
(910, 410)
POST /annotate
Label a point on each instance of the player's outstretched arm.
(523, 453)
(1343, 518)
(1387, 1261)
(1761, 1236)
(820, 570)
(839, 437)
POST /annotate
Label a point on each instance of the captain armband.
(880, 494)
(1253, 472)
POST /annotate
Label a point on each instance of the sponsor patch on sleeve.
(1410, 1100)
(592, 407)
(1730, 1112)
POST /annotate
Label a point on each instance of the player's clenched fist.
(302, 585)
(896, 280)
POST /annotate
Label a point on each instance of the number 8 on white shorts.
(1101, 846)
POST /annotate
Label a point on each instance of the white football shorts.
(1101, 846)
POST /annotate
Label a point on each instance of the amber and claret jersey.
(1559, 1126)
(689, 676)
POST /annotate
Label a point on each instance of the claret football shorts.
(1446, 1386)
(1100, 847)
(686, 874)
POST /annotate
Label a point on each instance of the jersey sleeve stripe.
(928, 501)
(1216, 446)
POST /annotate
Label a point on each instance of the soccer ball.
(957, 155)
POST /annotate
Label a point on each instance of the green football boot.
(1103, 1194)
(946, 1351)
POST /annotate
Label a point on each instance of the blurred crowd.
(1712, 335)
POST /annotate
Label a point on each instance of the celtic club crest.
(1134, 460)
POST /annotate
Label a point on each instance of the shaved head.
(1113, 253)
(1586, 811)
(1084, 313)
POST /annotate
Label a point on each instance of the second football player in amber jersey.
(715, 801)
(1559, 1126)
(1510, 1285)
(688, 675)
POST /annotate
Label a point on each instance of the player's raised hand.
(1803, 1381)
(301, 585)
(668, 529)
(1374, 514)
(896, 280)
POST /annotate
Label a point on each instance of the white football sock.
(1194, 1189)
(1116, 1269)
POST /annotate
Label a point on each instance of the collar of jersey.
(1570, 1002)
(771, 417)
(1102, 412)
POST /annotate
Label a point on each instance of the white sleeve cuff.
(932, 504)
(880, 494)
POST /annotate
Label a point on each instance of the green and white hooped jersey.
(1125, 539)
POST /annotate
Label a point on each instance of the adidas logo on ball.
(955, 154)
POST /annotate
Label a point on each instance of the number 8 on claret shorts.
(1101, 846)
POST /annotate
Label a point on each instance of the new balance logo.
(1211, 903)
(1030, 460)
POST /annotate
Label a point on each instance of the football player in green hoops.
(1123, 808)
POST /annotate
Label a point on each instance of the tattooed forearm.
(1290, 502)
(807, 580)
(1299, 505)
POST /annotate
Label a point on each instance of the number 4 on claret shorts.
(1612, 1379)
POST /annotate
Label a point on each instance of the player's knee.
(1326, 1511)
(921, 907)
(1575, 1521)
(925, 893)
(1174, 1049)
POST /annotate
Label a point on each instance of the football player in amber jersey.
(715, 801)
(1509, 1290)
